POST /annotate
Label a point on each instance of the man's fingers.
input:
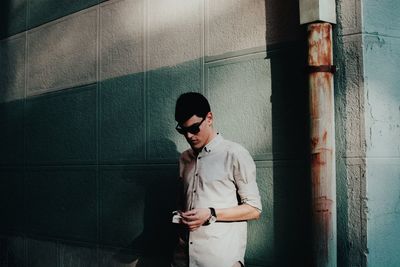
(190, 223)
(189, 213)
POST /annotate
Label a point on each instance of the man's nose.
(188, 135)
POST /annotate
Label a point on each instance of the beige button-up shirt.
(222, 175)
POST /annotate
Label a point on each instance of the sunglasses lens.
(180, 130)
(194, 129)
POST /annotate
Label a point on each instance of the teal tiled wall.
(122, 119)
(381, 65)
(89, 148)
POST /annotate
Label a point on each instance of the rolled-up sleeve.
(246, 179)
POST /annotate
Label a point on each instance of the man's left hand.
(195, 218)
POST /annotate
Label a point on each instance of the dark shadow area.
(155, 244)
(292, 185)
(62, 206)
(12, 17)
(4, 18)
(290, 135)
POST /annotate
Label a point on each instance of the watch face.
(213, 219)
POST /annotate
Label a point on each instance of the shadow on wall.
(155, 244)
(4, 19)
(64, 205)
(290, 129)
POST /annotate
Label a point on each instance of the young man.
(219, 191)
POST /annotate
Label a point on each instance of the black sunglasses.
(193, 129)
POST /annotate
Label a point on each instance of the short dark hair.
(189, 104)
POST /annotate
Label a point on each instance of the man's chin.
(196, 147)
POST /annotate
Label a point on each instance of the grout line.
(146, 114)
(203, 45)
(98, 124)
(58, 253)
(24, 134)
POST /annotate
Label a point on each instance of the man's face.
(198, 140)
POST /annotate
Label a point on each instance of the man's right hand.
(195, 218)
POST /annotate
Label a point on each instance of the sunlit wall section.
(382, 129)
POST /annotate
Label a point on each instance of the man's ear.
(210, 118)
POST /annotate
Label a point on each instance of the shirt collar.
(213, 143)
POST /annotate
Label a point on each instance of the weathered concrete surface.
(43, 11)
(121, 38)
(96, 135)
(368, 119)
(12, 74)
(349, 16)
(174, 32)
(234, 25)
(383, 192)
(61, 127)
(350, 141)
(382, 17)
(382, 62)
(12, 17)
(122, 119)
(54, 50)
(225, 81)
(382, 124)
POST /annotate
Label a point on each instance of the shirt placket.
(193, 251)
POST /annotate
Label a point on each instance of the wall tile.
(61, 202)
(12, 75)
(12, 133)
(164, 87)
(122, 119)
(61, 127)
(174, 32)
(382, 17)
(239, 92)
(75, 255)
(11, 200)
(382, 96)
(136, 208)
(383, 191)
(261, 232)
(63, 54)
(42, 11)
(234, 25)
(12, 17)
(42, 253)
(121, 38)
(123, 197)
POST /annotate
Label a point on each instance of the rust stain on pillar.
(322, 142)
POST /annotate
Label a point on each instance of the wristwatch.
(213, 217)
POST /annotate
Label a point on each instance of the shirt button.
(197, 174)
(191, 242)
(199, 158)
(194, 191)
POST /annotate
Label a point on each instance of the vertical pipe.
(322, 137)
